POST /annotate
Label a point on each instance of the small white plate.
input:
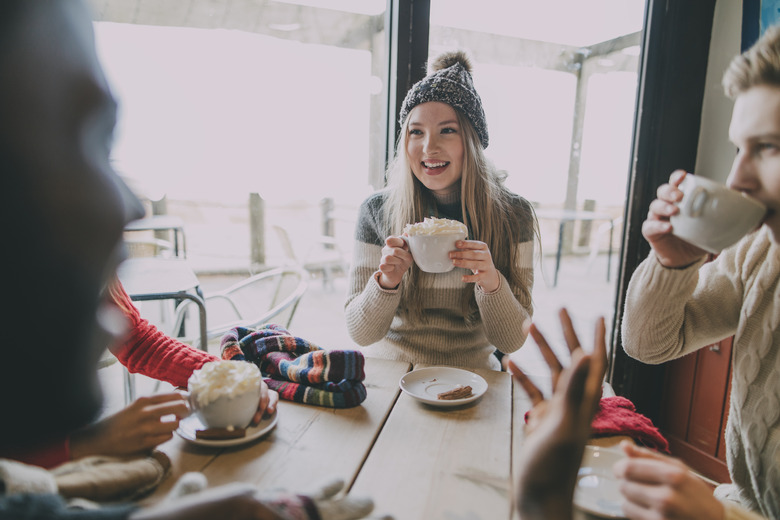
(424, 384)
(188, 425)
(597, 489)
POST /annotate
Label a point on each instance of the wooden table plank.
(431, 463)
(521, 403)
(184, 457)
(312, 444)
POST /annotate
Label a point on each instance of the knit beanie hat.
(449, 81)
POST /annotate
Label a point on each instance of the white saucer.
(425, 383)
(597, 489)
(188, 425)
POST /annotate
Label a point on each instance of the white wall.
(715, 152)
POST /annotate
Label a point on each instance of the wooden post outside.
(160, 207)
(586, 225)
(328, 224)
(257, 228)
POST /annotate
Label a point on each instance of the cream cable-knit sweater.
(672, 312)
(447, 338)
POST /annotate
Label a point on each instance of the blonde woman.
(464, 316)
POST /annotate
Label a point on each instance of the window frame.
(675, 50)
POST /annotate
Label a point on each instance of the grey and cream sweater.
(445, 336)
(672, 312)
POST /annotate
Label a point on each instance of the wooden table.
(415, 461)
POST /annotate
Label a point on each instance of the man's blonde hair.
(759, 65)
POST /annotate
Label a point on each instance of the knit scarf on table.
(299, 370)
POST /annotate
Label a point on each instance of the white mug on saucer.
(225, 394)
(713, 216)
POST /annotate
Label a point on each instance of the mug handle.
(189, 399)
(406, 239)
(696, 201)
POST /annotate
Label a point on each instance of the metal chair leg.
(129, 387)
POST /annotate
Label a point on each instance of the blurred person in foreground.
(558, 428)
(676, 304)
(150, 420)
(64, 211)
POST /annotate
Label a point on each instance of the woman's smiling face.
(434, 146)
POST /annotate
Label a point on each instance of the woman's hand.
(552, 450)
(670, 250)
(267, 404)
(657, 486)
(135, 430)
(396, 260)
(475, 255)
(599, 360)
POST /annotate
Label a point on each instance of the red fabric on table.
(618, 416)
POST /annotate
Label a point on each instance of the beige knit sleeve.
(672, 312)
(369, 308)
(505, 314)
(728, 495)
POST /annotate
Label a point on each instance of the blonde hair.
(490, 212)
(759, 65)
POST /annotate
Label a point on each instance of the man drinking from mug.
(677, 304)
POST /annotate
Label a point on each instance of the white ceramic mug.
(713, 216)
(598, 489)
(227, 412)
(223, 395)
(431, 253)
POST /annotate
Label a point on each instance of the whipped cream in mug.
(229, 379)
(435, 226)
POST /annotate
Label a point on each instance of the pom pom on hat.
(448, 59)
(449, 81)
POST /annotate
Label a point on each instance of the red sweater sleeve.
(148, 351)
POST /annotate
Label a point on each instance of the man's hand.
(660, 487)
(657, 228)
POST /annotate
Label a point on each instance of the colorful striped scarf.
(299, 370)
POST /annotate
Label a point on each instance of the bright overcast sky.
(569, 22)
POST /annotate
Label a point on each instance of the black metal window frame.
(675, 50)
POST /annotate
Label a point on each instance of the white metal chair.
(607, 229)
(323, 256)
(268, 297)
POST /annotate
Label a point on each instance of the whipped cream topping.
(217, 379)
(435, 226)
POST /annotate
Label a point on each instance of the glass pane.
(218, 100)
(558, 83)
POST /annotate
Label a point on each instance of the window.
(286, 99)
(558, 82)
